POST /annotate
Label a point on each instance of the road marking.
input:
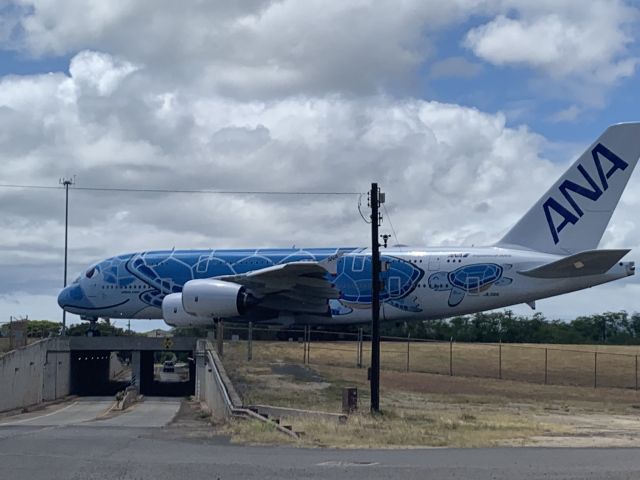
(340, 463)
(38, 417)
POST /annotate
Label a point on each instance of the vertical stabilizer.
(573, 214)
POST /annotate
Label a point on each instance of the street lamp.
(66, 182)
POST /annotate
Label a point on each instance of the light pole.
(66, 182)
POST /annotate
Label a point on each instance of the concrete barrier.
(210, 388)
(33, 374)
(215, 390)
(126, 398)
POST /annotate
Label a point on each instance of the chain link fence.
(598, 366)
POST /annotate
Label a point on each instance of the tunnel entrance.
(105, 373)
(92, 373)
(161, 366)
(167, 373)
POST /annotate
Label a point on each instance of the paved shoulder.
(155, 412)
(73, 413)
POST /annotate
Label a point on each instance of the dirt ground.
(421, 409)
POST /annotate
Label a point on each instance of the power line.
(42, 187)
(390, 223)
(161, 190)
(360, 209)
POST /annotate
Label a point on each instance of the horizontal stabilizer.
(590, 262)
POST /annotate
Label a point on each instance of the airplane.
(551, 251)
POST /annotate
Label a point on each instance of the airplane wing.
(297, 287)
(589, 262)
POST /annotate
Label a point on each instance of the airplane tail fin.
(572, 216)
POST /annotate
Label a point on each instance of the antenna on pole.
(66, 182)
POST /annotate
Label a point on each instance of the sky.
(464, 111)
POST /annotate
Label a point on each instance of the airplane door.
(434, 262)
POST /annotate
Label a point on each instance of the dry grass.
(419, 409)
(394, 431)
(565, 364)
(409, 419)
(426, 409)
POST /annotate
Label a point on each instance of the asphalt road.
(136, 447)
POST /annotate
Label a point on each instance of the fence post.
(220, 337)
(636, 372)
(308, 344)
(500, 360)
(250, 342)
(451, 357)
(546, 356)
(304, 345)
(359, 348)
(595, 370)
(408, 346)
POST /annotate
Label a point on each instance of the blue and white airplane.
(552, 250)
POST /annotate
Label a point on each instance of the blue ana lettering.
(569, 189)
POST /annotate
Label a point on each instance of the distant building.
(158, 333)
(18, 334)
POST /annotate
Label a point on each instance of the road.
(76, 441)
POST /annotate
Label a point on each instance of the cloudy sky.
(465, 112)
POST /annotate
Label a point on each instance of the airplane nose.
(71, 296)
(63, 297)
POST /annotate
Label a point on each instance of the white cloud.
(567, 114)
(587, 40)
(249, 49)
(99, 71)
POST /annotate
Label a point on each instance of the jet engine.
(211, 298)
(173, 313)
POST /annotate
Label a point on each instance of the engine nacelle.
(173, 313)
(211, 298)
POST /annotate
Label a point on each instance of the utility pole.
(375, 200)
(66, 182)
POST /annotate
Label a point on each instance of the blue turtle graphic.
(400, 278)
(471, 279)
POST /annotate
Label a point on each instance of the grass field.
(578, 365)
(426, 409)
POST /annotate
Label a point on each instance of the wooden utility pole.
(375, 200)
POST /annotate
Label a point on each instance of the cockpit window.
(91, 272)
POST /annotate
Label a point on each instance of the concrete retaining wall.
(33, 374)
(210, 388)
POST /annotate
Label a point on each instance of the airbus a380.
(552, 250)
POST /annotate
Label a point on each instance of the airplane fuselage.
(418, 283)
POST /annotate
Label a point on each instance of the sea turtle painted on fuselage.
(470, 279)
(400, 278)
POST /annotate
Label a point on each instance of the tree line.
(616, 328)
